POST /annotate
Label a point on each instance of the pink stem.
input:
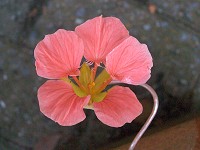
(149, 120)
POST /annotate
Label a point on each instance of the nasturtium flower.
(106, 44)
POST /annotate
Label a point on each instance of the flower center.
(88, 83)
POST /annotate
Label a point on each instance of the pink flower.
(99, 40)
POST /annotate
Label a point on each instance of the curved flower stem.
(149, 120)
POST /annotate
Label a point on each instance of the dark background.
(171, 30)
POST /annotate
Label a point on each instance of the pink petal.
(58, 101)
(120, 106)
(100, 36)
(130, 62)
(59, 55)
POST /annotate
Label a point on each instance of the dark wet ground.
(169, 28)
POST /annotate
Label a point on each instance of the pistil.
(93, 72)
